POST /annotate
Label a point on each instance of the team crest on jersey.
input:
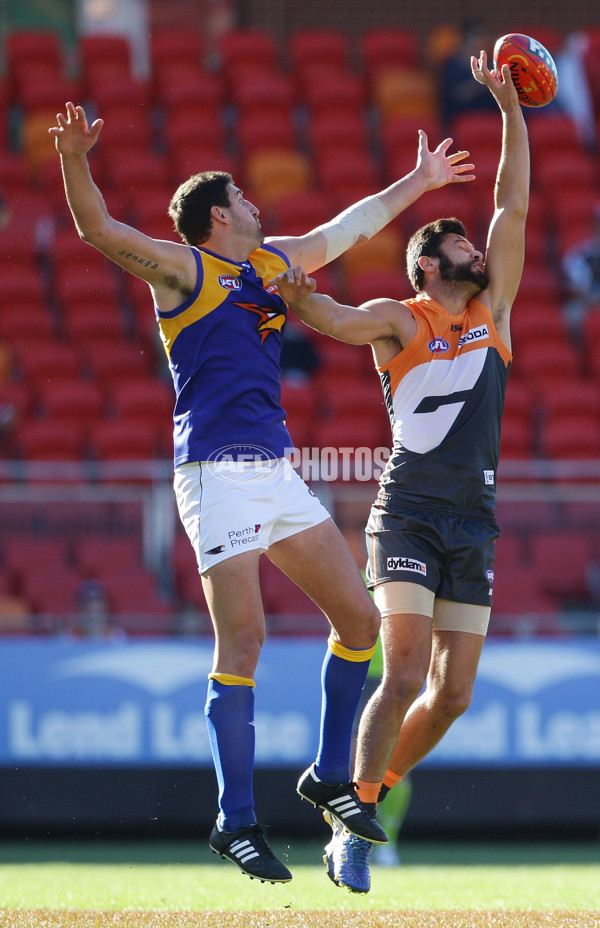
(229, 282)
(269, 320)
(437, 345)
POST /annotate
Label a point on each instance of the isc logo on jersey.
(474, 335)
(406, 563)
(228, 282)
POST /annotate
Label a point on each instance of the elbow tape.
(366, 218)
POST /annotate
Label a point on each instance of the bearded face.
(462, 271)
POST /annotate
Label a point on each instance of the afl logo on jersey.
(228, 282)
(438, 344)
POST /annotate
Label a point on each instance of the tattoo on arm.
(138, 260)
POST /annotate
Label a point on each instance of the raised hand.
(438, 167)
(73, 135)
(499, 83)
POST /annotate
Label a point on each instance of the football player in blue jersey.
(238, 496)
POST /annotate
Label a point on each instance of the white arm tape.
(366, 218)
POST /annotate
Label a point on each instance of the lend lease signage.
(142, 704)
(132, 704)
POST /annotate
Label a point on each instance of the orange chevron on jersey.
(445, 395)
(436, 324)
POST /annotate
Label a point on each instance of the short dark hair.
(427, 241)
(192, 202)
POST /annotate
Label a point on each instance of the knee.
(453, 702)
(357, 626)
(403, 689)
(239, 653)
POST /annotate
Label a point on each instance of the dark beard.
(462, 272)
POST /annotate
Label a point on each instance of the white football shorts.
(236, 507)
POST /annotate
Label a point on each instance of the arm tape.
(366, 218)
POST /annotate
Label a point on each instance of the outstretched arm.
(434, 169)
(167, 266)
(505, 250)
(378, 319)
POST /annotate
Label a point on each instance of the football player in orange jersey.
(443, 357)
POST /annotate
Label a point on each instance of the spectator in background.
(94, 617)
(581, 276)
(459, 93)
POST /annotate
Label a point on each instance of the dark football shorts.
(451, 555)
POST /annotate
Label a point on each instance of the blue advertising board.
(141, 703)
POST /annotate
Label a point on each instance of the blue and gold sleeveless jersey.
(224, 344)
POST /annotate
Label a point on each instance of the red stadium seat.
(387, 47)
(357, 172)
(80, 402)
(310, 46)
(199, 155)
(546, 360)
(53, 591)
(448, 201)
(379, 282)
(300, 212)
(42, 360)
(183, 85)
(121, 362)
(144, 400)
(516, 438)
(385, 251)
(349, 430)
(97, 556)
(25, 553)
(520, 400)
(244, 49)
(283, 598)
(579, 170)
(270, 95)
(334, 93)
(336, 133)
(170, 47)
(580, 396)
(259, 131)
(133, 591)
(35, 321)
(552, 131)
(517, 593)
(561, 559)
(201, 128)
(572, 436)
(97, 49)
(50, 440)
(124, 440)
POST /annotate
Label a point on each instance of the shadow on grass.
(412, 853)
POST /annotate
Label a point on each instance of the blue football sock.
(229, 715)
(342, 683)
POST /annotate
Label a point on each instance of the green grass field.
(97, 883)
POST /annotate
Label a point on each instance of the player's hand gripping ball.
(532, 68)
